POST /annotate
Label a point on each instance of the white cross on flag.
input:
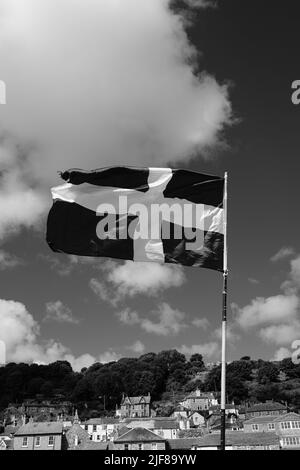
(141, 214)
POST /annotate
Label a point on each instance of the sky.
(190, 84)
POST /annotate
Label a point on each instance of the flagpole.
(224, 320)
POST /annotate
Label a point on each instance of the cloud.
(277, 317)
(283, 253)
(281, 353)
(206, 349)
(128, 317)
(170, 321)
(201, 323)
(137, 347)
(134, 278)
(109, 356)
(262, 310)
(104, 82)
(57, 311)
(8, 261)
(21, 336)
(281, 334)
(163, 321)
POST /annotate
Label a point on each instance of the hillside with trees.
(167, 376)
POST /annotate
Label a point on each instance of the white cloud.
(163, 321)
(231, 335)
(139, 278)
(281, 334)
(283, 253)
(134, 278)
(57, 311)
(138, 347)
(8, 261)
(275, 309)
(109, 356)
(201, 323)
(206, 349)
(134, 98)
(170, 321)
(21, 335)
(281, 353)
(128, 317)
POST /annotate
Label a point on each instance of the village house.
(75, 435)
(265, 409)
(134, 407)
(101, 429)
(167, 428)
(197, 400)
(34, 407)
(196, 419)
(139, 439)
(239, 440)
(39, 436)
(287, 428)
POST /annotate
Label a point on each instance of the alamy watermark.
(154, 221)
(296, 353)
(2, 92)
(296, 92)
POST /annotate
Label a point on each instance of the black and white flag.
(141, 214)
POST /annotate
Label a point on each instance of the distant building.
(287, 428)
(239, 440)
(265, 409)
(39, 436)
(139, 439)
(75, 435)
(101, 429)
(135, 407)
(34, 407)
(197, 401)
(196, 419)
(167, 428)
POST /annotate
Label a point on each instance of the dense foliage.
(167, 375)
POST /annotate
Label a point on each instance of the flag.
(142, 214)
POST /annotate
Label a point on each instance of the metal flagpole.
(224, 319)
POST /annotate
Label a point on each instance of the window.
(51, 441)
(140, 446)
(291, 441)
(37, 441)
(94, 428)
(154, 446)
(271, 426)
(86, 427)
(255, 427)
(25, 442)
(285, 425)
(295, 424)
(126, 446)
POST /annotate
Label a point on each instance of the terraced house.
(286, 427)
(39, 436)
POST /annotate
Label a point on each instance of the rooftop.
(268, 406)
(137, 400)
(241, 438)
(29, 429)
(138, 435)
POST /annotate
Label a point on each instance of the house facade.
(101, 429)
(270, 408)
(39, 436)
(286, 427)
(239, 440)
(197, 401)
(167, 428)
(135, 407)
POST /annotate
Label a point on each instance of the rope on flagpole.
(224, 320)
